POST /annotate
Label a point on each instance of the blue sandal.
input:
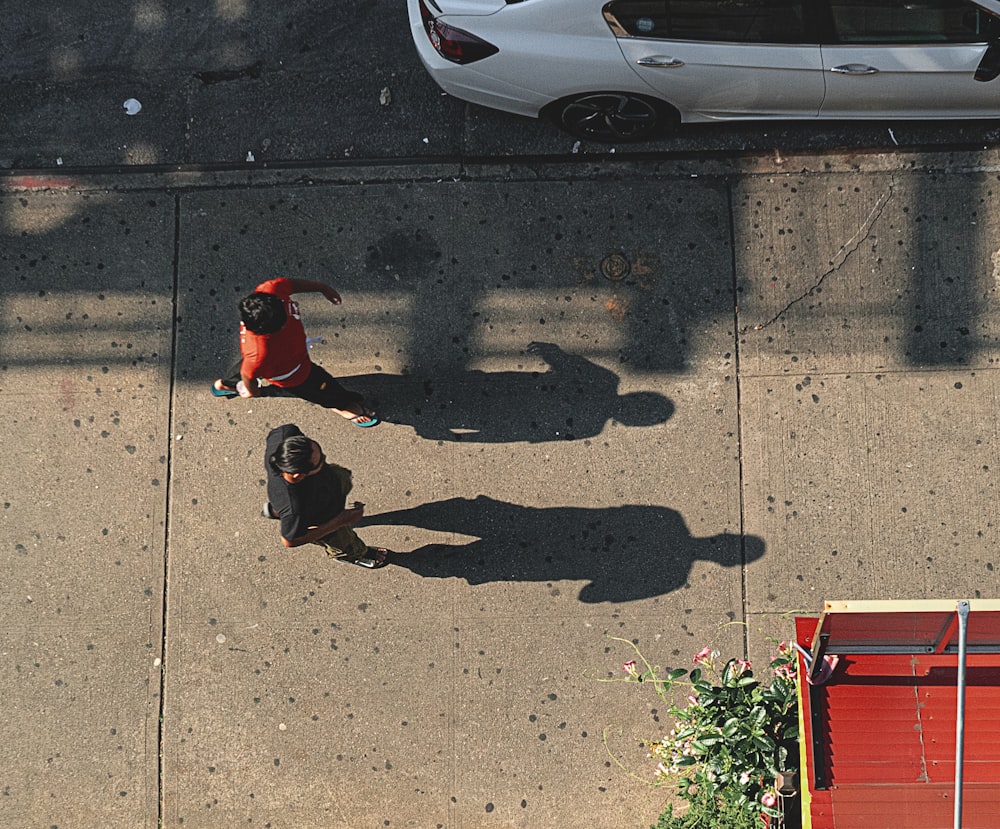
(223, 392)
(373, 422)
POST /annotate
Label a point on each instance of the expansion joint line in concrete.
(745, 610)
(166, 520)
(842, 255)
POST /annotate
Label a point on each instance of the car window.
(734, 21)
(911, 21)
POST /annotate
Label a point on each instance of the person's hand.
(353, 514)
(241, 389)
(332, 295)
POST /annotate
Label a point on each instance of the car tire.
(614, 117)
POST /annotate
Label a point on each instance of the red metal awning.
(878, 736)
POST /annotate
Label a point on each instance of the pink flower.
(744, 778)
(741, 666)
(703, 657)
(629, 668)
(768, 799)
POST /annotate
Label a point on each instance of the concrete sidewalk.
(789, 397)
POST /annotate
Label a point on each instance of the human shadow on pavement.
(624, 553)
(574, 399)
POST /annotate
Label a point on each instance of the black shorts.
(319, 388)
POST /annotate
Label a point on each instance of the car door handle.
(855, 69)
(661, 61)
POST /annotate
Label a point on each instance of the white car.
(630, 70)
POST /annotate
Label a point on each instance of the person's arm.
(342, 519)
(309, 286)
(250, 385)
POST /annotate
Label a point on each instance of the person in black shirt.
(309, 497)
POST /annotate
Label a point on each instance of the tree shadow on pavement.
(574, 399)
(624, 553)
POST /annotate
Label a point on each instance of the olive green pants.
(344, 543)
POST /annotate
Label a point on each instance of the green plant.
(732, 734)
(708, 815)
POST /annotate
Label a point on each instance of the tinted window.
(735, 21)
(910, 21)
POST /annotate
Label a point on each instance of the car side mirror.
(989, 66)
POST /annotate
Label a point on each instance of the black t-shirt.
(308, 503)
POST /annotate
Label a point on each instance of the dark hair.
(263, 313)
(294, 455)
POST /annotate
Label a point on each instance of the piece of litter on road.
(249, 156)
(426, 141)
(132, 106)
(221, 638)
(385, 96)
(59, 161)
(893, 137)
(576, 147)
(156, 662)
(311, 341)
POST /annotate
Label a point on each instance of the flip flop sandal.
(223, 392)
(373, 422)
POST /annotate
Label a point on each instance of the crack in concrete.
(848, 248)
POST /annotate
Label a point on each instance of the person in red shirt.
(273, 349)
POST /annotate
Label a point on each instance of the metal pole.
(963, 628)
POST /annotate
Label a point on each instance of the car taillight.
(454, 44)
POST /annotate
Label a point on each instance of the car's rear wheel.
(614, 117)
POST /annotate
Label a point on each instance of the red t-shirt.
(281, 357)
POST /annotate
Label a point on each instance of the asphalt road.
(304, 81)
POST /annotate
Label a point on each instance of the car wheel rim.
(610, 116)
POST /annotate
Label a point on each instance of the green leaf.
(727, 673)
(686, 760)
(765, 744)
(746, 680)
(676, 673)
(695, 675)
